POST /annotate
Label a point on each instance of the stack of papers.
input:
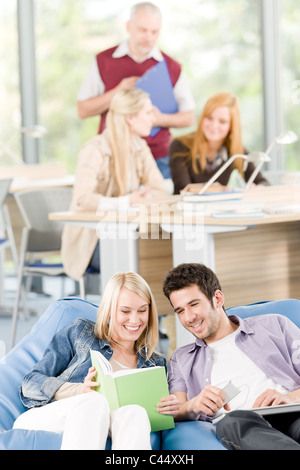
(282, 209)
(212, 196)
(229, 208)
(236, 210)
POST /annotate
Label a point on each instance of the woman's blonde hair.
(124, 103)
(197, 143)
(106, 315)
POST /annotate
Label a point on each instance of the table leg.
(118, 250)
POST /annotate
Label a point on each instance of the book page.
(133, 371)
(103, 363)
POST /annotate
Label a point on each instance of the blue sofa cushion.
(20, 360)
(290, 308)
(191, 435)
(19, 439)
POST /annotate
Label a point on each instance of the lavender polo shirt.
(271, 341)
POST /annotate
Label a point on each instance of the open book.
(144, 387)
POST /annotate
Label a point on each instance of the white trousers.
(86, 421)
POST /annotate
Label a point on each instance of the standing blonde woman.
(59, 391)
(112, 167)
(197, 156)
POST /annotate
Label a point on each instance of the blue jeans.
(163, 166)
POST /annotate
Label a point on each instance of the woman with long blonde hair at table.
(115, 170)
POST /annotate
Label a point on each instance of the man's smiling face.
(197, 314)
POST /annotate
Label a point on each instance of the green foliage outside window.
(217, 42)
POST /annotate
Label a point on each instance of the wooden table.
(35, 171)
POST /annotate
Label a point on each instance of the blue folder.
(157, 82)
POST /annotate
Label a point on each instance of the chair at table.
(7, 240)
(40, 237)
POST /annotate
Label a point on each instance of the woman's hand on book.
(89, 381)
(168, 406)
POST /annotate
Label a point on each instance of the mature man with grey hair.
(119, 67)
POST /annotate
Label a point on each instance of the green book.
(144, 387)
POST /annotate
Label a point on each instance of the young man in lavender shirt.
(257, 355)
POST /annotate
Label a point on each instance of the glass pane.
(217, 41)
(10, 117)
(68, 35)
(290, 39)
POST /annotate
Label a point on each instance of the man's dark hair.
(188, 274)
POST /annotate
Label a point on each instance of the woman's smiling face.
(132, 317)
(217, 125)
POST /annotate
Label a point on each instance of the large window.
(68, 35)
(10, 116)
(217, 41)
(290, 80)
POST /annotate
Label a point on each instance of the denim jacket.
(67, 359)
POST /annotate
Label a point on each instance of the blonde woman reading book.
(59, 391)
(114, 170)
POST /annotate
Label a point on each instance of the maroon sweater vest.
(113, 70)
